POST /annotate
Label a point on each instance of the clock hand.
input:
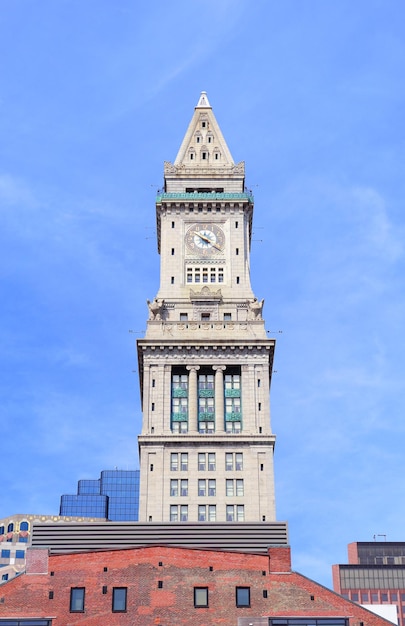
(203, 237)
(207, 240)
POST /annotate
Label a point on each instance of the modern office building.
(206, 447)
(114, 496)
(374, 576)
(16, 538)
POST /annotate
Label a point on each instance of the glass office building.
(114, 496)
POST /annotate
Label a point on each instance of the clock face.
(205, 239)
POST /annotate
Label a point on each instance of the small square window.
(77, 599)
(119, 599)
(200, 597)
(227, 317)
(183, 317)
(242, 596)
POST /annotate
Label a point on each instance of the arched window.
(1, 530)
(24, 526)
(10, 527)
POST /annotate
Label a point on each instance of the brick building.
(161, 585)
(374, 576)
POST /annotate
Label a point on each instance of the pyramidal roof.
(204, 144)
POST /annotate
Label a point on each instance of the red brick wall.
(352, 553)
(36, 561)
(180, 571)
(280, 559)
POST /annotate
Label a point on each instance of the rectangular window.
(201, 462)
(234, 461)
(184, 487)
(184, 461)
(234, 488)
(211, 461)
(183, 317)
(230, 513)
(212, 513)
(174, 513)
(202, 487)
(200, 597)
(119, 599)
(5, 554)
(198, 274)
(202, 513)
(235, 513)
(212, 488)
(179, 417)
(229, 461)
(19, 554)
(77, 599)
(227, 317)
(174, 488)
(174, 461)
(242, 596)
(184, 513)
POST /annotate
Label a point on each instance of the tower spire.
(204, 145)
(203, 101)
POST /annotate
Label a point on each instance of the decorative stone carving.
(205, 294)
(155, 308)
(255, 309)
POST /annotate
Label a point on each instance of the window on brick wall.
(119, 599)
(242, 596)
(200, 597)
(77, 599)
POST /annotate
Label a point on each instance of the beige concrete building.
(206, 447)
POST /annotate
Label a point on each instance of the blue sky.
(94, 96)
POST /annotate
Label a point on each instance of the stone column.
(219, 397)
(192, 398)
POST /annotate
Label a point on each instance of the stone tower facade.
(205, 363)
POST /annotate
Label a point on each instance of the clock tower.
(205, 363)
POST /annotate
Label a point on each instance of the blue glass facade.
(114, 496)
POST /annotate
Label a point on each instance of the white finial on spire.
(203, 101)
